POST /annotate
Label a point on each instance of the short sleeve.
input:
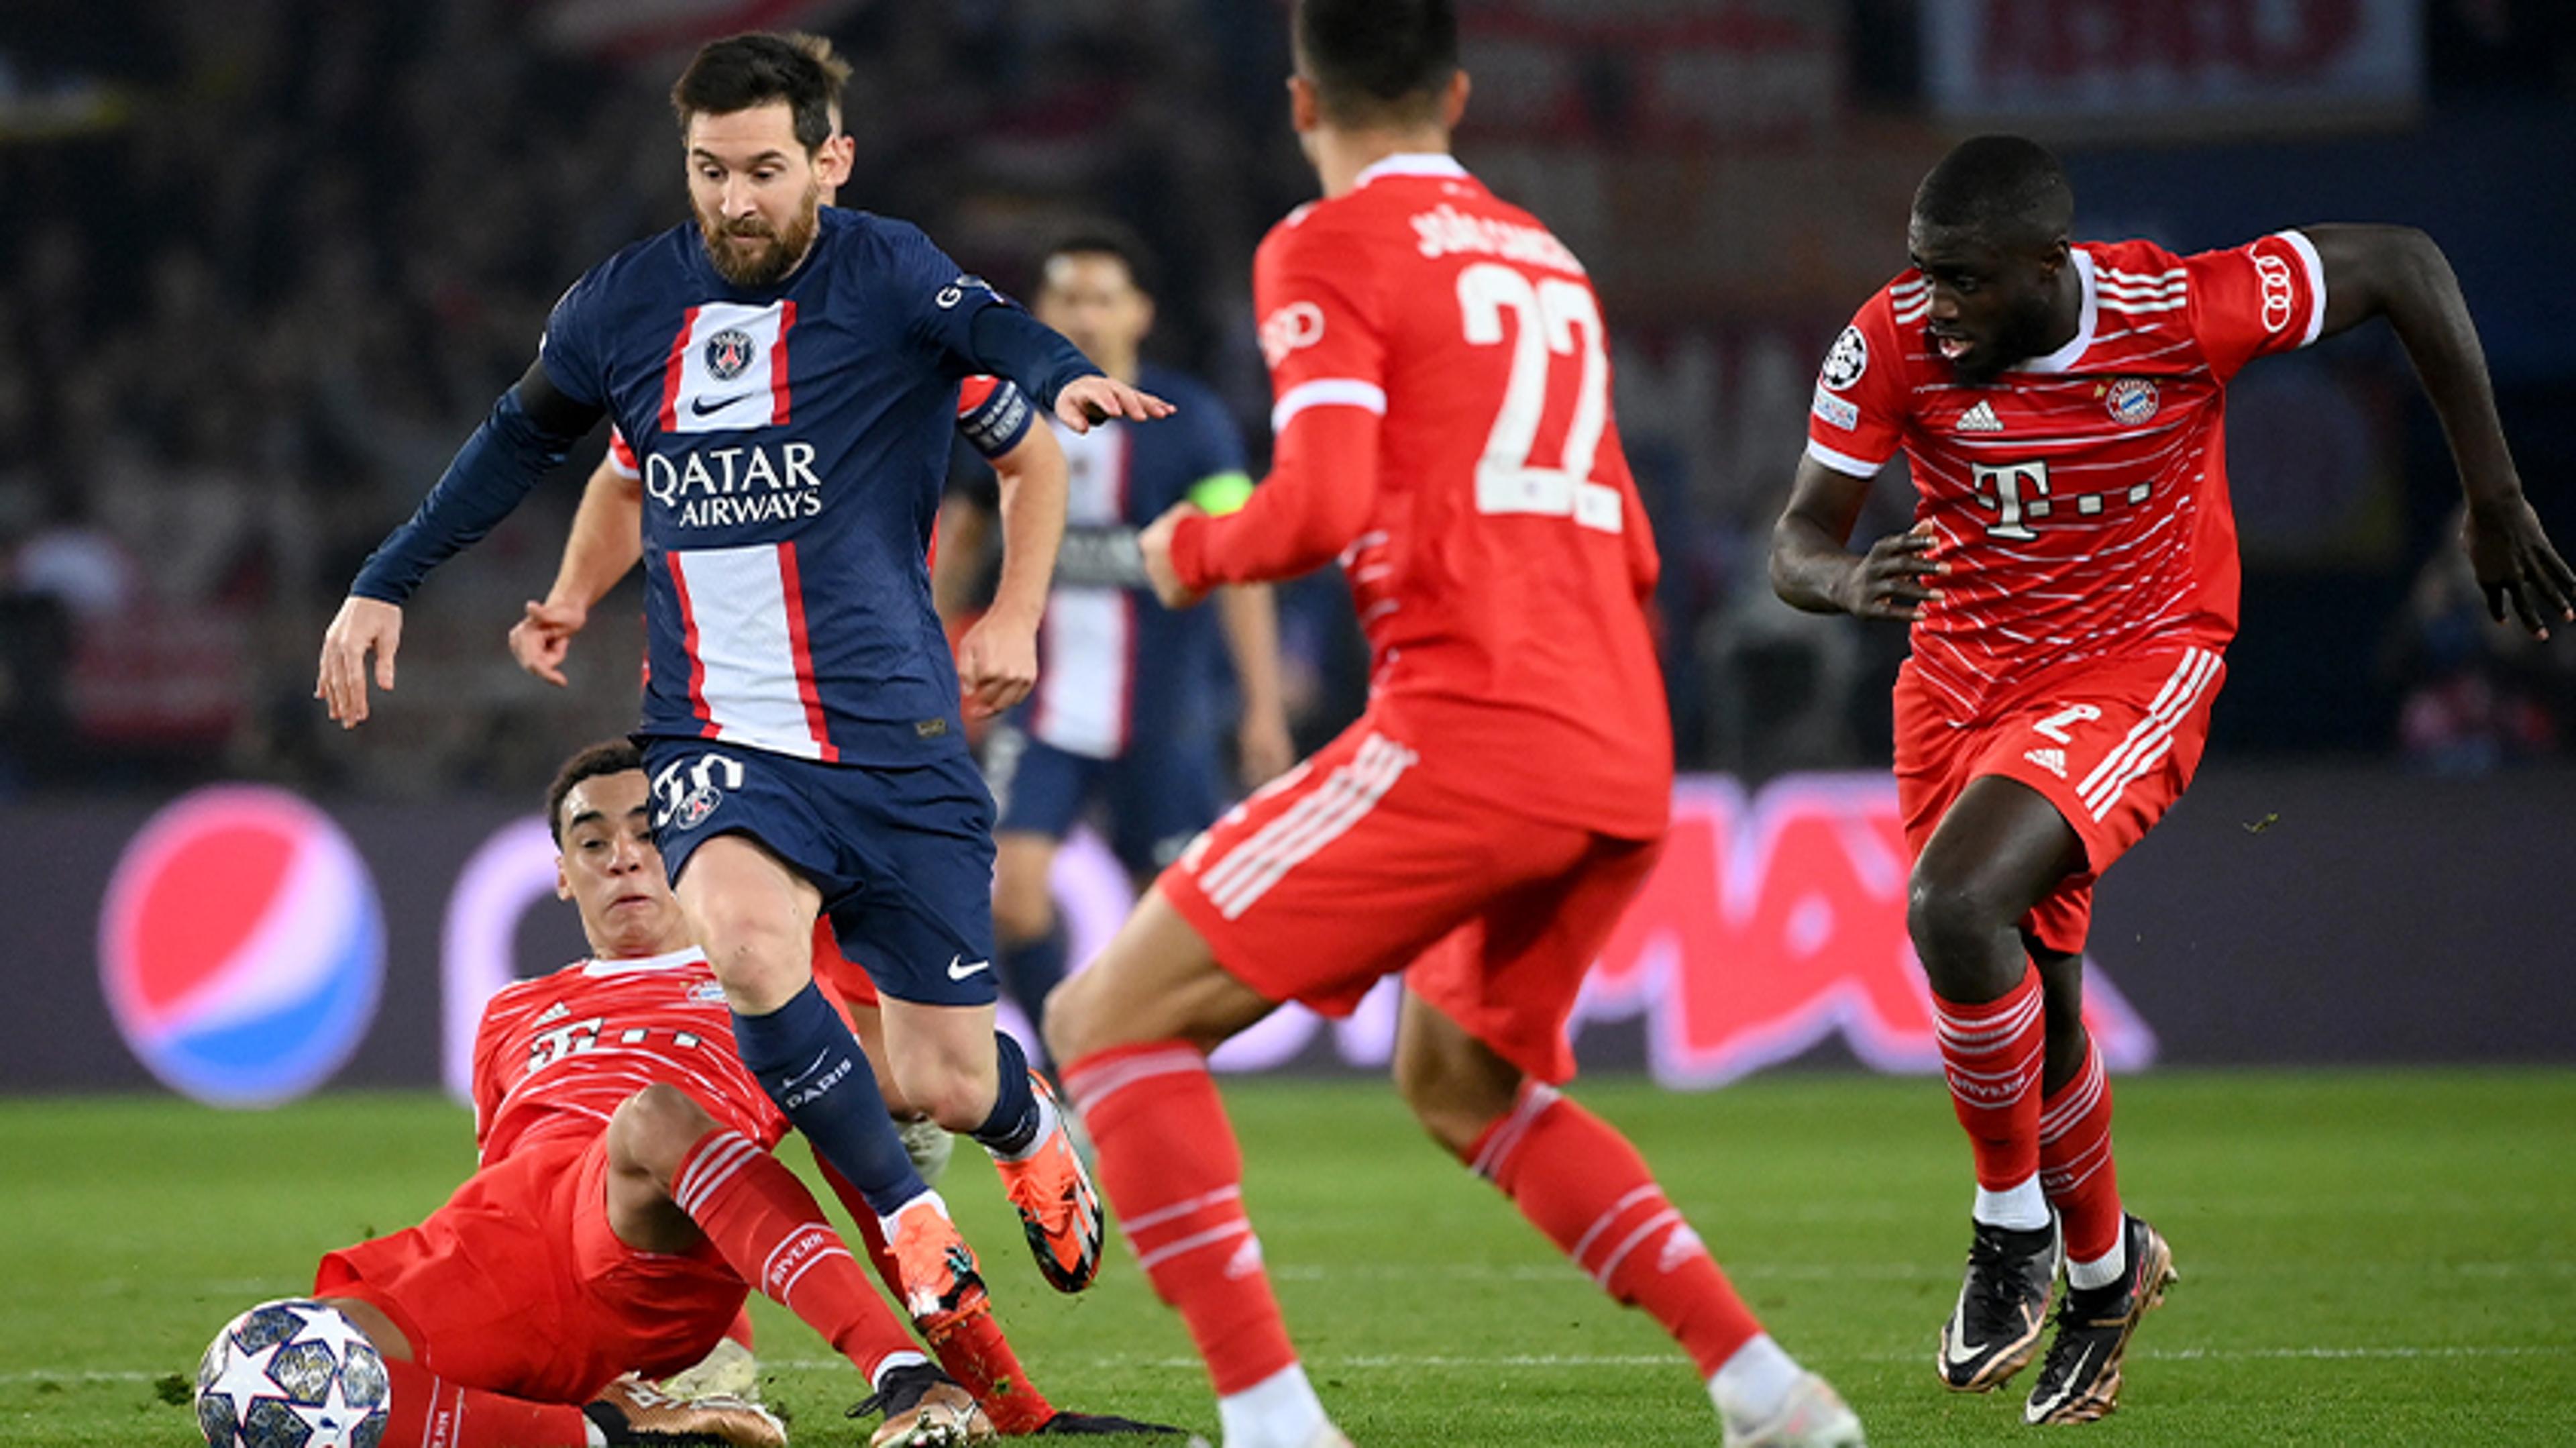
(1320, 330)
(570, 348)
(936, 299)
(2250, 301)
(1857, 414)
(621, 455)
(993, 414)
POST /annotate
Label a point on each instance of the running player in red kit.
(2071, 580)
(1443, 425)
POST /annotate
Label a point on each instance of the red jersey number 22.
(1553, 318)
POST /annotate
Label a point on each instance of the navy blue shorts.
(1158, 795)
(904, 857)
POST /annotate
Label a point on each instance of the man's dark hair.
(1103, 238)
(1377, 62)
(2006, 189)
(610, 756)
(740, 72)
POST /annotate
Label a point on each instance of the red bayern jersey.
(562, 1051)
(2080, 499)
(1503, 558)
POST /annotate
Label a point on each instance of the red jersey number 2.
(1553, 318)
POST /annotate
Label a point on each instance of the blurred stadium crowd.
(266, 262)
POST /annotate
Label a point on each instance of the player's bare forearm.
(1249, 614)
(964, 529)
(1032, 531)
(606, 541)
(1810, 556)
(1814, 569)
(2400, 273)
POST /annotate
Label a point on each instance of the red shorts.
(2111, 744)
(518, 1286)
(842, 977)
(1368, 859)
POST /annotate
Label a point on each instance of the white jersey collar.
(1412, 163)
(671, 960)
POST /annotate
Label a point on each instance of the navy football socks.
(1016, 1120)
(1031, 969)
(804, 1056)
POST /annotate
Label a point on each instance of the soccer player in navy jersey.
(787, 376)
(1123, 716)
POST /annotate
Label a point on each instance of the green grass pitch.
(2366, 1258)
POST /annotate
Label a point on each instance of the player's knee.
(1023, 907)
(653, 1130)
(955, 1093)
(1454, 1099)
(760, 958)
(1071, 1020)
(1953, 922)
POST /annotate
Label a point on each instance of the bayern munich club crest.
(728, 354)
(2133, 400)
(241, 946)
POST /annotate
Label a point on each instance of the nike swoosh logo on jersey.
(702, 406)
(958, 970)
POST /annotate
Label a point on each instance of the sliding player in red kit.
(2071, 580)
(1443, 426)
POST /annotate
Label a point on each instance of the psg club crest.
(700, 803)
(728, 353)
(2133, 400)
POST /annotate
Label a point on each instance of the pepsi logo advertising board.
(241, 946)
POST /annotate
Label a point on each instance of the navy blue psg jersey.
(792, 440)
(1114, 665)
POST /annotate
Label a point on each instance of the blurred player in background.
(1121, 715)
(2071, 581)
(1444, 427)
(787, 376)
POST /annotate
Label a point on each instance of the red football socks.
(427, 1411)
(971, 1347)
(1992, 1054)
(769, 1229)
(1169, 1162)
(1581, 1183)
(2075, 1166)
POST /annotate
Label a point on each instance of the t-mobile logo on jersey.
(2012, 490)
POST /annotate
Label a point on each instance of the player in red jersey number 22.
(1443, 426)
(2071, 581)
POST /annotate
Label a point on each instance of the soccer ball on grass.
(292, 1374)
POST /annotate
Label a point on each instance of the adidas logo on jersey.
(554, 1012)
(1980, 418)
(2052, 760)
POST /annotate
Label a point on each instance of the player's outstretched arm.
(1096, 399)
(530, 429)
(997, 661)
(606, 541)
(1813, 568)
(2400, 273)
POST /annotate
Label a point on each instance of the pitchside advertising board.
(243, 946)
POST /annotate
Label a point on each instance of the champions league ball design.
(292, 1374)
